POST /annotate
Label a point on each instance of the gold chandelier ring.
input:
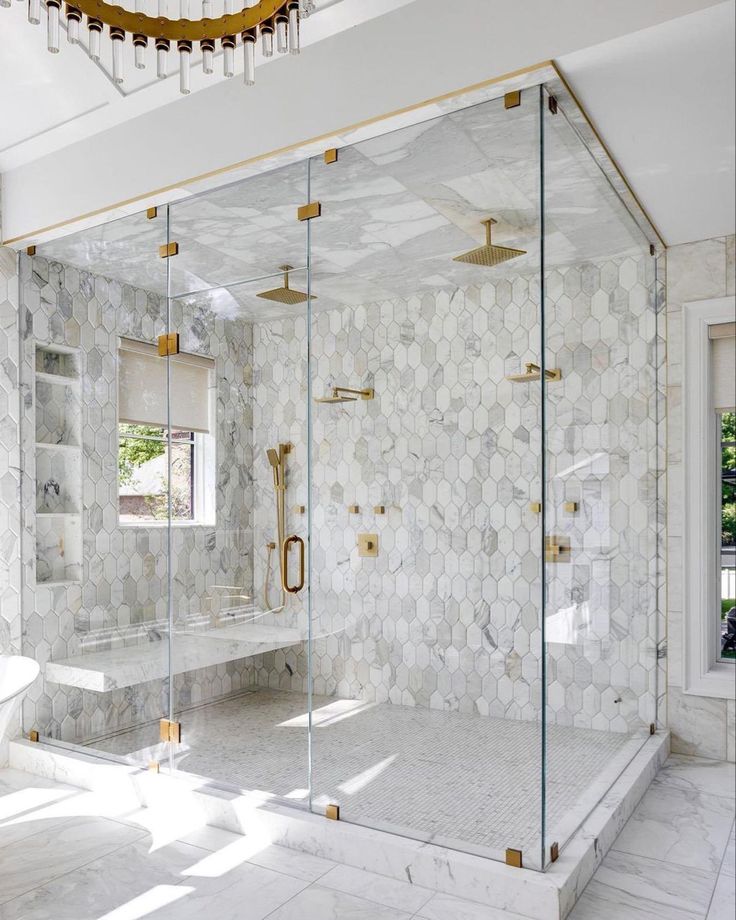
(196, 30)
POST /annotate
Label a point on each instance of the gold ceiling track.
(174, 30)
(545, 71)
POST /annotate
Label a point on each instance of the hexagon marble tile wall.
(446, 617)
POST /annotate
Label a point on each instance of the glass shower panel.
(601, 482)
(239, 549)
(240, 232)
(426, 654)
(95, 482)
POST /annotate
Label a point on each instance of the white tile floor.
(388, 766)
(68, 854)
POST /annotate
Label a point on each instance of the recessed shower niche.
(58, 464)
(459, 345)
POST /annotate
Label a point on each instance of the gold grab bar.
(292, 589)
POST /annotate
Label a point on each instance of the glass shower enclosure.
(342, 483)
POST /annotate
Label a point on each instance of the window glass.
(143, 464)
(727, 541)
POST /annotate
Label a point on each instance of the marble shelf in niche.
(58, 480)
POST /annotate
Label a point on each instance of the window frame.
(705, 673)
(204, 459)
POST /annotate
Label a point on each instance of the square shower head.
(489, 255)
(285, 294)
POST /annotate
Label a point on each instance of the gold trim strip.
(279, 151)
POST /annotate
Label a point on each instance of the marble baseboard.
(542, 896)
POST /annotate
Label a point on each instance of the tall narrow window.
(723, 376)
(148, 402)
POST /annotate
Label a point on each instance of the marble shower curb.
(535, 895)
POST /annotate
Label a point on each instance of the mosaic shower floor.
(460, 780)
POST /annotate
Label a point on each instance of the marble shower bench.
(127, 666)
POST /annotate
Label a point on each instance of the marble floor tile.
(47, 856)
(104, 885)
(723, 905)
(444, 906)
(247, 892)
(696, 774)
(685, 828)
(595, 905)
(316, 903)
(386, 891)
(633, 881)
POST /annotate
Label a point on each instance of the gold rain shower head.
(489, 255)
(285, 294)
(351, 395)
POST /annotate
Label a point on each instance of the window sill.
(719, 682)
(160, 525)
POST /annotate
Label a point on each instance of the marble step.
(125, 667)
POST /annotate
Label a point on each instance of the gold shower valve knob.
(368, 544)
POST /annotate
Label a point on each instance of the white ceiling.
(662, 97)
(664, 100)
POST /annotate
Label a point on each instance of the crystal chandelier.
(275, 22)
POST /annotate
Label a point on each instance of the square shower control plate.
(367, 544)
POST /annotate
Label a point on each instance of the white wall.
(413, 54)
(695, 271)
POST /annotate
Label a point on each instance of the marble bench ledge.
(132, 665)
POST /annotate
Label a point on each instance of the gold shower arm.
(534, 372)
(368, 393)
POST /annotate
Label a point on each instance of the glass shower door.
(239, 536)
(602, 570)
(94, 444)
(427, 452)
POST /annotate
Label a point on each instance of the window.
(144, 461)
(727, 502)
(709, 533)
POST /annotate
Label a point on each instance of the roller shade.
(723, 365)
(142, 388)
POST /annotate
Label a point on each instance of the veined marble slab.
(126, 667)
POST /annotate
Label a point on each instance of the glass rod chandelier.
(274, 22)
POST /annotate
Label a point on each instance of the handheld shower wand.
(278, 467)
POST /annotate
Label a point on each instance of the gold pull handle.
(292, 589)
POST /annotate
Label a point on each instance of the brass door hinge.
(168, 344)
(309, 211)
(332, 812)
(514, 858)
(571, 507)
(331, 155)
(652, 250)
(33, 735)
(170, 731)
(535, 507)
(168, 250)
(652, 728)
(154, 766)
(554, 852)
(512, 100)
(151, 213)
(552, 105)
(31, 251)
